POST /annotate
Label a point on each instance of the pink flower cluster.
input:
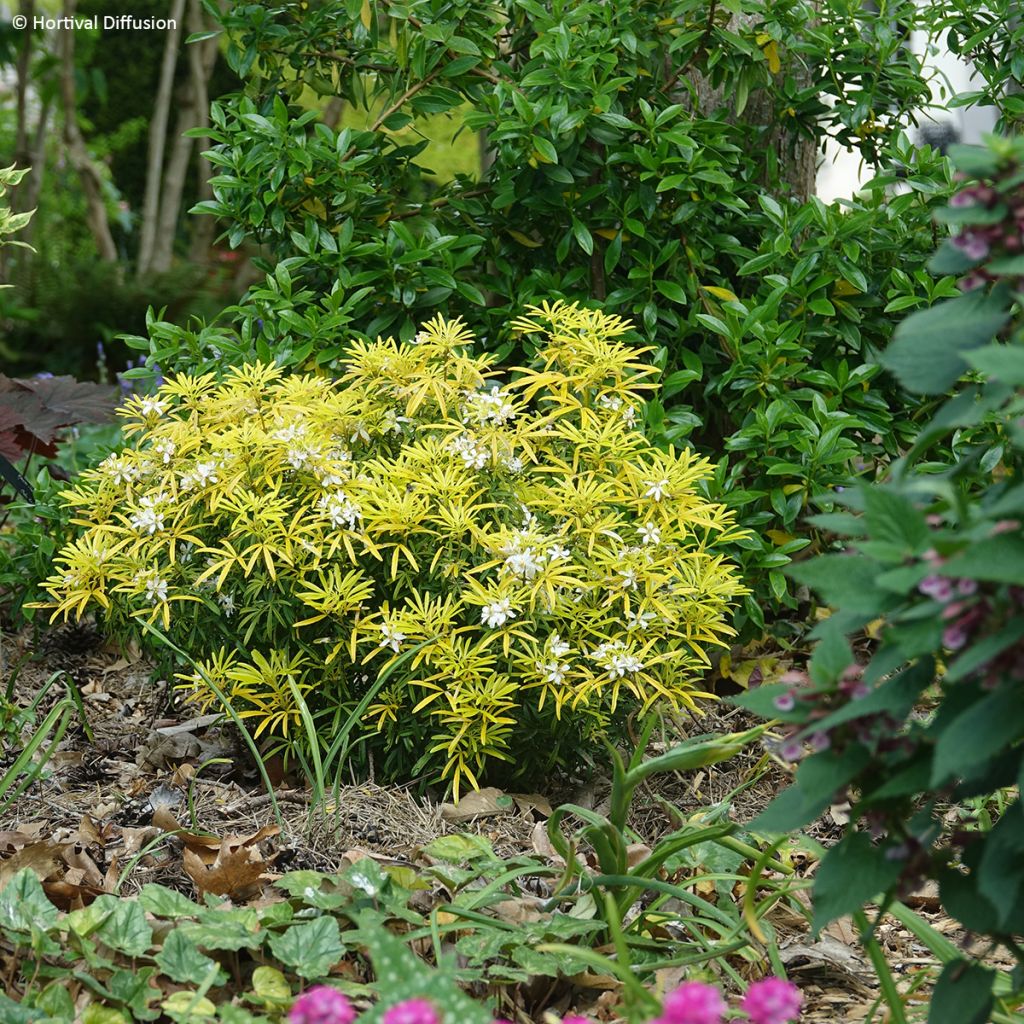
(770, 1001)
(1002, 237)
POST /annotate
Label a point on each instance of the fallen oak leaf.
(235, 873)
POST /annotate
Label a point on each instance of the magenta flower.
(322, 1005)
(772, 1001)
(937, 587)
(785, 701)
(575, 1019)
(412, 1011)
(693, 1003)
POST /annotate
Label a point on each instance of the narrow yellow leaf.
(366, 15)
(721, 293)
(522, 239)
(771, 51)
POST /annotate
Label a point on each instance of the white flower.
(489, 407)
(472, 453)
(165, 449)
(227, 602)
(152, 407)
(553, 671)
(149, 518)
(558, 551)
(529, 519)
(650, 534)
(340, 510)
(298, 457)
(656, 489)
(523, 564)
(392, 637)
(359, 433)
(156, 589)
(419, 337)
(557, 646)
(206, 473)
(639, 620)
(497, 613)
(630, 415)
(120, 469)
(290, 433)
(612, 402)
(627, 579)
(623, 664)
(513, 463)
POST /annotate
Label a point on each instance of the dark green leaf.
(963, 994)
(852, 873)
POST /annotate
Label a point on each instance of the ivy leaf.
(311, 949)
(181, 961)
(24, 906)
(163, 902)
(126, 929)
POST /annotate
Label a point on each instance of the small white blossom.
(156, 589)
(513, 463)
(152, 407)
(553, 671)
(497, 613)
(293, 432)
(628, 579)
(656, 489)
(557, 646)
(120, 469)
(360, 433)
(472, 453)
(489, 407)
(639, 620)
(166, 450)
(149, 519)
(298, 457)
(206, 473)
(525, 564)
(558, 551)
(340, 510)
(392, 637)
(227, 603)
(650, 534)
(419, 337)
(393, 422)
(612, 402)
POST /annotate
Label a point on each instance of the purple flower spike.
(772, 1001)
(953, 638)
(412, 1011)
(322, 1005)
(694, 1003)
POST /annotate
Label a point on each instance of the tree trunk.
(171, 193)
(202, 59)
(78, 154)
(158, 139)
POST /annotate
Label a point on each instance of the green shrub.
(936, 715)
(547, 568)
(641, 158)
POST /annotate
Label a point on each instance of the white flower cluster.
(204, 474)
(340, 510)
(616, 660)
(615, 404)
(497, 613)
(150, 517)
(488, 407)
(470, 450)
(166, 450)
(151, 407)
(524, 560)
(554, 671)
(120, 470)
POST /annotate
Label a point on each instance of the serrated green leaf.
(311, 949)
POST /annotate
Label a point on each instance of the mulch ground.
(138, 804)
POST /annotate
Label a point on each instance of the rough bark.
(78, 154)
(158, 138)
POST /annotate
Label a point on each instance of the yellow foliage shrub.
(544, 566)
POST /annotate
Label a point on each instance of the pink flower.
(322, 1005)
(575, 1019)
(772, 1001)
(412, 1011)
(694, 1003)
(785, 701)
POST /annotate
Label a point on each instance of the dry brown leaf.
(235, 873)
(521, 910)
(527, 802)
(479, 803)
(43, 859)
(77, 859)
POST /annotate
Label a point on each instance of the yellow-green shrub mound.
(548, 567)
